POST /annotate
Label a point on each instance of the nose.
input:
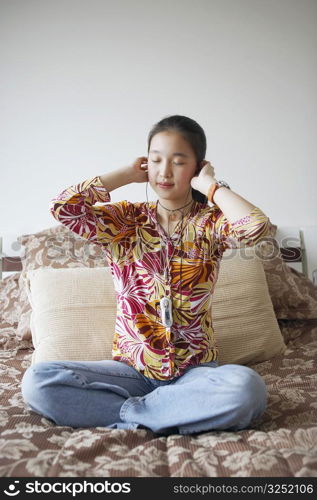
(165, 170)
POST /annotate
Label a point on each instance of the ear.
(198, 167)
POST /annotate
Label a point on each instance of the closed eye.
(157, 161)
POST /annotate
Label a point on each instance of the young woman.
(164, 258)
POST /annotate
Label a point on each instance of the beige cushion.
(73, 313)
(244, 321)
(56, 247)
(74, 310)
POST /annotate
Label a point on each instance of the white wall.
(83, 81)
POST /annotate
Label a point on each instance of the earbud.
(144, 165)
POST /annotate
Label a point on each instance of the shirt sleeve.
(76, 208)
(247, 231)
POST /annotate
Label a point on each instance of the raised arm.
(75, 207)
(236, 220)
(246, 231)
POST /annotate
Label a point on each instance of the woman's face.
(171, 161)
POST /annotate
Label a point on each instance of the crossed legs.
(113, 394)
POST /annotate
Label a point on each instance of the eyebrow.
(174, 154)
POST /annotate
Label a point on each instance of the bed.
(283, 443)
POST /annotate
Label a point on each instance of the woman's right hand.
(139, 170)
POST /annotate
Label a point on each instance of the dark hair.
(192, 132)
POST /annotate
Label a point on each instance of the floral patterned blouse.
(136, 247)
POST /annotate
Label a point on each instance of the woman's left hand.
(205, 177)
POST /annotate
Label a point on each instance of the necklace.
(173, 215)
(165, 301)
(175, 209)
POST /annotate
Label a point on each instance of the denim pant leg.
(83, 394)
(204, 398)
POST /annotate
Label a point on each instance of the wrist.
(208, 185)
(214, 188)
(128, 174)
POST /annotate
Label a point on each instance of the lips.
(165, 185)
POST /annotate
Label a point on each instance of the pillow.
(244, 322)
(59, 247)
(55, 247)
(74, 312)
(9, 300)
(294, 296)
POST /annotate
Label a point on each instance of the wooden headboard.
(298, 247)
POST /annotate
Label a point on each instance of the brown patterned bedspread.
(282, 444)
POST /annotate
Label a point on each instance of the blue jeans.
(113, 394)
